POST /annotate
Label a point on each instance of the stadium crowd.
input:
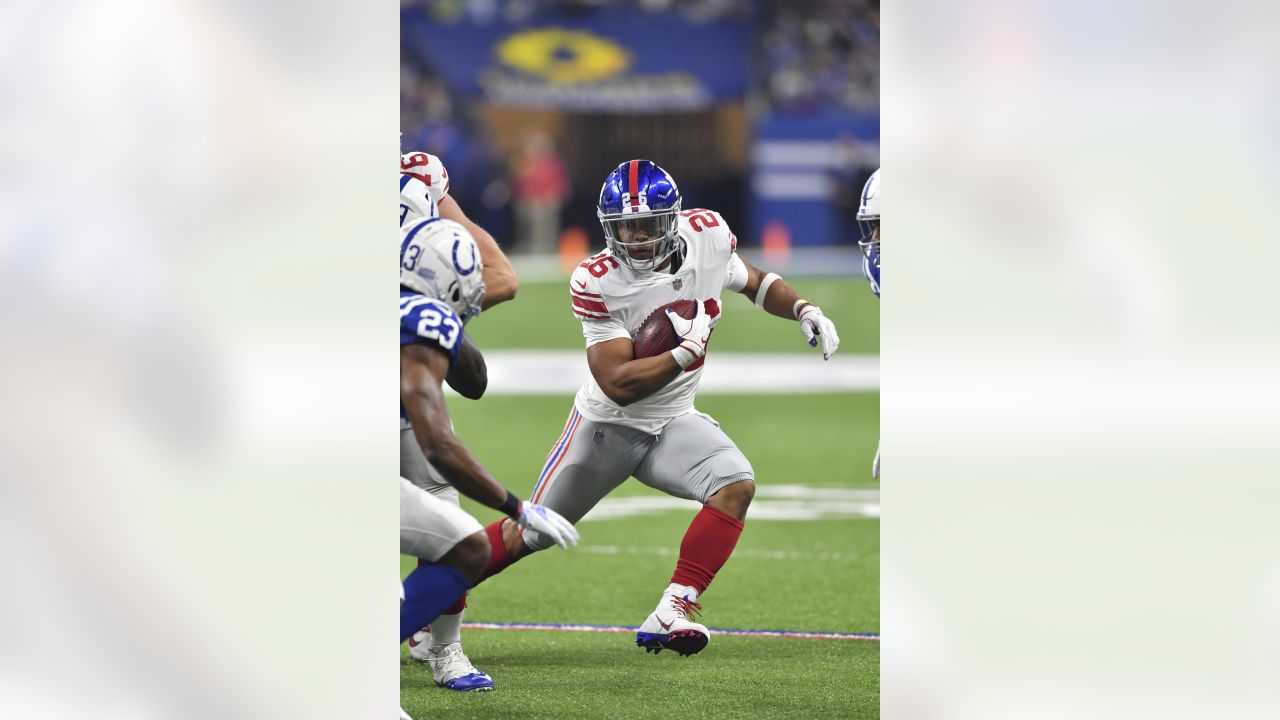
(819, 54)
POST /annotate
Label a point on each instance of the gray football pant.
(692, 459)
(414, 466)
(431, 526)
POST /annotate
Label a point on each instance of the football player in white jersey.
(869, 221)
(635, 416)
(440, 289)
(424, 194)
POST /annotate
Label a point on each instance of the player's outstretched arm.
(422, 370)
(500, 282)
(626, 380)
(469, 376)
(776, 297)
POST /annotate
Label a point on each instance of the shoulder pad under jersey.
(584, 287)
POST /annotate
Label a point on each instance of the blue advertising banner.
(807, 174)
(618, 60)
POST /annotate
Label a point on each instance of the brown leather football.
(656, 335)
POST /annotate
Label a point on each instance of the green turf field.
(815, 574)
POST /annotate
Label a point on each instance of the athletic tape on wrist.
(684, 357)
(765, 282)
(511, 506)
(798, 306)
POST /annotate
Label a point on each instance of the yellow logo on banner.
(563, 56)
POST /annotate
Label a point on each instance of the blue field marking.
(801, 634)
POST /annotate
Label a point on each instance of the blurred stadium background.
(767, 112)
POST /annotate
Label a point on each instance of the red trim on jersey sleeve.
(589, 316)
(590, 305)
(586, 305)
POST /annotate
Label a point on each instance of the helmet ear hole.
(456, 295)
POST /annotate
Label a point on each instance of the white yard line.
(772, 502)
(552, 372)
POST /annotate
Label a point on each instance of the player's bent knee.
(470, 556)
(734, 498)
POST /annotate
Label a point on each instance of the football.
(656, 336)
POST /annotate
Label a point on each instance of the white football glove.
(548, 522)
(818, 328)
(693, 335)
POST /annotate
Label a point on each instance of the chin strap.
(677, 257)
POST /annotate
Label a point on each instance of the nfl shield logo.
(598, 437)
(675, 284)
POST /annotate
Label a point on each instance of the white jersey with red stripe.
(423, 184)
(612, 301)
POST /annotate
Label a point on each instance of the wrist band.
(798, 306)
(511, 506)
(765, 282)
(684, 357)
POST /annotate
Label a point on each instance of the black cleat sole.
(686, 642)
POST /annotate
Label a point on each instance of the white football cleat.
(418, 644)
(454, 671)
(404, 715)
(669, 627)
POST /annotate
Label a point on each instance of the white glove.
(548, 522)
(817, 327)
(875, 465)
(693, 335)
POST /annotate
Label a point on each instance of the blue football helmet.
(638, 209)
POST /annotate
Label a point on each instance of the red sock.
(499, 558)
(707, 544)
